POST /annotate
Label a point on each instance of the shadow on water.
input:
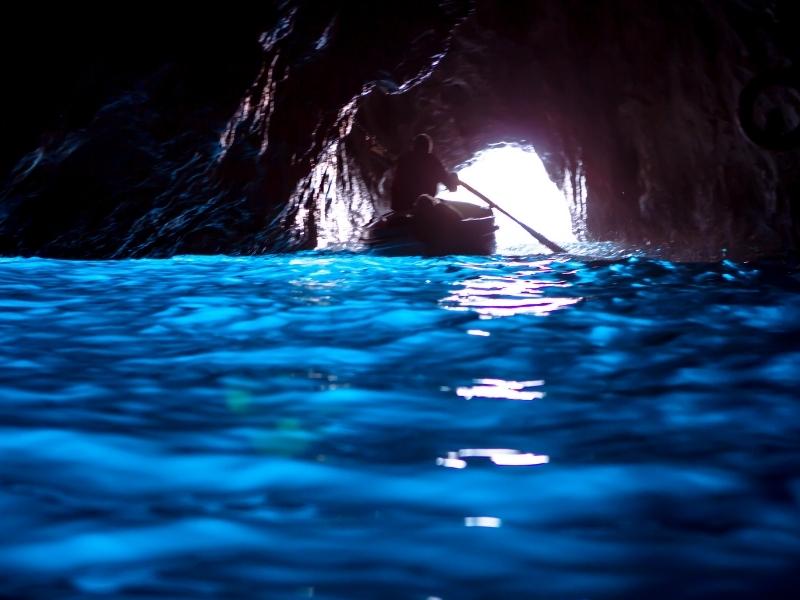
(344, 426)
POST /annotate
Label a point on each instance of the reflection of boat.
(449, 227)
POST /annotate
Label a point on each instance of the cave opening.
(514, 176)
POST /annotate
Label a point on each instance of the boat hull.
(465, 229)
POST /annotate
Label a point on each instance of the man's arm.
(446, 177)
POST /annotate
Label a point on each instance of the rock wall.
(265, 130)
(633, 107)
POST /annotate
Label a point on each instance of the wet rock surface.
(272, 128)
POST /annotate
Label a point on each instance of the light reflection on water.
(482, 522)
(517, 293)
(498, 456)
(499, 388)
(368, 427)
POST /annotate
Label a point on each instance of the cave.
(277, 132)
(212, 386)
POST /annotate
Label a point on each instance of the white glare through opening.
(515, 179)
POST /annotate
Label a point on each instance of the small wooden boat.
(448, 227)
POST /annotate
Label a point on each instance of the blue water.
(342, 426)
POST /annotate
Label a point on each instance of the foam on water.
(345, 426)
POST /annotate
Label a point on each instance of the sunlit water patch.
(345, 426)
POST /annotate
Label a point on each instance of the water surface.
(343, 426)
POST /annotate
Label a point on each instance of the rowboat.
(448, 227)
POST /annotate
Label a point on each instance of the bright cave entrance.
(515, 178)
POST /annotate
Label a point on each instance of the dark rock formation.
(111, 115)
(633, 107)
(272, 129)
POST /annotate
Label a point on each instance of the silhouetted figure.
(434, 219)
(419, 171)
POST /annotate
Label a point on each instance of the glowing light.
(452, 461)
(496, 392)
(515, 178)
(499, 388)
(504, 296)
(482, 522)
(485, 452)
(503, 457)
(514, 385)
(520, 460)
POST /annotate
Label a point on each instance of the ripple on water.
(350, 426)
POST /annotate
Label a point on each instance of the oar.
(539, 237)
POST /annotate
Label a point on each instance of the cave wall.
(140, 134)
(272, 128)
(110, 113)
(632, 106)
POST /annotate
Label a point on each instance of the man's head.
(425, 202)
(423, 143)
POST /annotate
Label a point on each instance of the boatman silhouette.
(419, 171)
